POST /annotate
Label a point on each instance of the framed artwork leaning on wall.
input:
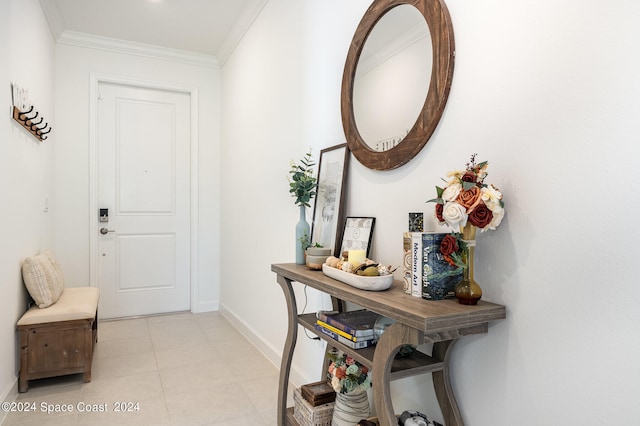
(329, 208)
(357, 234)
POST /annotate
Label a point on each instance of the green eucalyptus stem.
(302, 184)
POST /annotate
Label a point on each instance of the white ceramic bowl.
(379, 283)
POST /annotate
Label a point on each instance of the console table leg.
(442, 385)
(289, 346)
(387, 347)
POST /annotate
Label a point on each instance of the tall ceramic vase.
(350, 408)
(302, 229)
(468, 292)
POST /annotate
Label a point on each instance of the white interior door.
(144, 182)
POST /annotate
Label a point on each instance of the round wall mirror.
(396, 80)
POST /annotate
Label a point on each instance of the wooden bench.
(58, 339)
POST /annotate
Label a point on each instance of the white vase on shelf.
(350, 408)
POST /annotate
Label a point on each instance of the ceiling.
(201, 27)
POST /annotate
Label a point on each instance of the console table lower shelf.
(417, 321)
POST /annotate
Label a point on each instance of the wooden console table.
(417, 321)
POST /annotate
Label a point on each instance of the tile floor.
(181, 369)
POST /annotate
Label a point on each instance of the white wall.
(74, 66)
(548, 93)
(26, 167)
(276, 104)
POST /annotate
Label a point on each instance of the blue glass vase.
(302, 230)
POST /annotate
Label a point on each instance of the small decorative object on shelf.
(302, 186)
(318, 393)
(382, 323)
(316, 256)
(350, 380)
(416, 222)
(467, 203)
(415, 418)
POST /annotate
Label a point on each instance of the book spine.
(346, 342)
(406, 264)
(321, 316)
(416, 264)
(342, 333)
(428, 244)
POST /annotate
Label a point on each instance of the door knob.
(105, 231)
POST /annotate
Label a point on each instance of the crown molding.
(242, 25)
(52, 14)
(73, 38)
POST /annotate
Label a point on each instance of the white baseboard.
(274, 355)
(9, 395)
(206, 306)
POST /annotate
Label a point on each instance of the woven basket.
(307, 415)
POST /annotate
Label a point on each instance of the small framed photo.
(357, 235)
(329, 208)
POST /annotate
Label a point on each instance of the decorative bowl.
(379, 283)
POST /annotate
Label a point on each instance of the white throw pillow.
(44, 284)
(59, 278)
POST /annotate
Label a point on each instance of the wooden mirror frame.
(438, 20)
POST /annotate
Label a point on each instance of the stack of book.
(353, 329)
(427, 274)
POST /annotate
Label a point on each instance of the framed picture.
(357, 234)
(329, 208)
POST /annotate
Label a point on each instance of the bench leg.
(23, 383)
(88, 351)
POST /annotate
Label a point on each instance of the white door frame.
(95, 80)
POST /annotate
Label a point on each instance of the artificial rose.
(350, 361)
(449, 245)
(469, 176)
(498, 214)
(451, 192)
(491, 197)
(454, 176)
(454, 215)
(352, 369)
(469, 197)
(341, 372)
(481, 216)
(439, 212)
(335, 384)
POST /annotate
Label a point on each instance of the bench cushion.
(43, 279)
(74, 304)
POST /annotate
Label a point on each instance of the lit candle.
(356, 257)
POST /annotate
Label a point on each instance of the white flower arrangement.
(467, 199)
